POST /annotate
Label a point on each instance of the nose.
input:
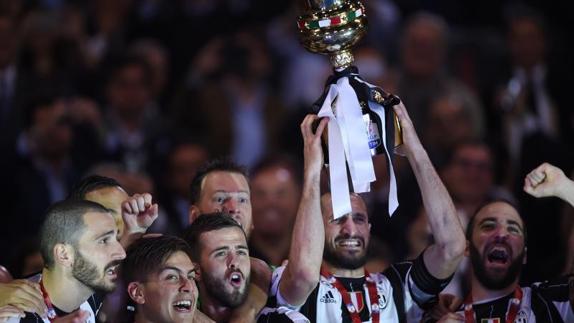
(349, 226)
(186, 285)
(118, 253)
(232, 260)
(231, 206)
(501, 234)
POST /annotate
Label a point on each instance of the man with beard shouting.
(219, 246)
(334, 286)
(81, 253)
(496, 238)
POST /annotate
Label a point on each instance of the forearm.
(443, 257)
(567, 192)
(306, 252)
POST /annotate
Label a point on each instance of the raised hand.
(23, 295)
(313, 152)
(411, 143)
(139, 213)
(548, 180)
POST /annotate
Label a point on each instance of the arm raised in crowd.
(138, 213)
(549, 180)
(442, 257)
(302, 272)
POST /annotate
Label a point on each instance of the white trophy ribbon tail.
(393, 198)
(380, 111)
(355, 138)
(337, 170)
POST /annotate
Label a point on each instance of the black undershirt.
(493, 309)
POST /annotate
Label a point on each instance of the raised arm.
(138, 213)
(302, 272)
(441, 258)
(549, 180)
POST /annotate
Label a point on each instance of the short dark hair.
(205, 223)
(472, 220)
(147, 255)
(90, 184)
(215, 165)
(64, 223)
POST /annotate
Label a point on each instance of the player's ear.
(136, 292)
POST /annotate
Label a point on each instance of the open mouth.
(351, 243)
(498, 255)
(183, 306)
(236, 279)
(112, 271)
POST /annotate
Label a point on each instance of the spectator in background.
(183, 161)
(134, 130)
(469, 178)
(424, 72)
(12, 86)
(449, 124)
(158, 61)
(44, 170)
(237, 111)
(275, 192)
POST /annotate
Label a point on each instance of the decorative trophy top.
(332, 27)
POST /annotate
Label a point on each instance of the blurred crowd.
(147, 91)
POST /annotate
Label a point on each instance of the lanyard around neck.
(515, 301)
(353, 311)
(51, 311)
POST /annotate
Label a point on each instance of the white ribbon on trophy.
(348, 140)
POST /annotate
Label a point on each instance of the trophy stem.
(341, 59)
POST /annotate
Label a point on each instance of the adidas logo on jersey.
(328, 298)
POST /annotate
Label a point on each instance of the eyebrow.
(104, 234)
(507, 221)
(162, 269)
(231, 192)
(515, 223)
(242, 247)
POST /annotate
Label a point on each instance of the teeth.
(183, 303)
(349, 243)
(235, 276)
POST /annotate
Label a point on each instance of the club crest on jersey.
(521, 317)
(357, 300)
(492, 320)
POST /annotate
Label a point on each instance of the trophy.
(362, 122)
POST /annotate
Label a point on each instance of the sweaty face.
(170, 295)
(226, 192)
(346, 238)
(497, 248)
(98, 253)
(275, 197)
(225, 266)
(112, 198)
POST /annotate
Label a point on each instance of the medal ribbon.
(51, 311)
(371, 288)
(515, 301)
